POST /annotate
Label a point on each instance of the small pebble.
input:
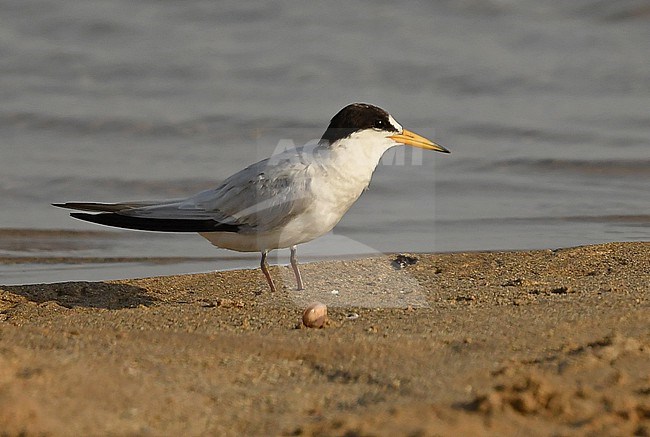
(352, 316)
(335, 292)
(402, 261)
(315, 315)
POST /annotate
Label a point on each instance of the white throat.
(362, 150)
(349, 163)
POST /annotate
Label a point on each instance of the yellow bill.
(412, 139)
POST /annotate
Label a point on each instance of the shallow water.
(545, 106)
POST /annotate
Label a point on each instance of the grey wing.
(263, 196)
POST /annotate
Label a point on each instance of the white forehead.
(395, 123)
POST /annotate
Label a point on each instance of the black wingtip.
(152, 224)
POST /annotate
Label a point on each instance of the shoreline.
(537, 341)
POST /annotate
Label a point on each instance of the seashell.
(315, 315)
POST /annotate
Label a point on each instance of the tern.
(290, 198)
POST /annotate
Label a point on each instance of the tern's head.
(373, 125)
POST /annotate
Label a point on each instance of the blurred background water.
(544, 104)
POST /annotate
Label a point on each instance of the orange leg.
(265, 269)
(296, 270)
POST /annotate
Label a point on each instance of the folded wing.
(258, 198)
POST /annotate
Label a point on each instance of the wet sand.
(500, 343)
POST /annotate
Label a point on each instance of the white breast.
(335, 178)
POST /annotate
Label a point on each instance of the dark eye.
(379, 124)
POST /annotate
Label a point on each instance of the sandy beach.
(548, 342)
